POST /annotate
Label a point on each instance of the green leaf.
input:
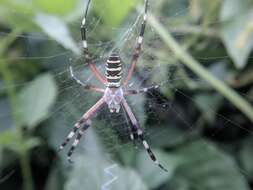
(237, 30)
(8, 137)
(35, 100)
(89, 173)
(20, 6)
(56, 6)
(57, 29)
(113, 12)
(206, 168)
(17, 14)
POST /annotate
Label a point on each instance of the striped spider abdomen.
(113, 71)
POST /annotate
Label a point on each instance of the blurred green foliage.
(204, 141)
(114, 12)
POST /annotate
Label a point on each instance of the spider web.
(166, 109)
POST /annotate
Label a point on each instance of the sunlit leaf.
(237, 30)
(56, 28)
(19, 6)
(9, 137)
(207, 9)
(36, 99)
(56, 6)
(17, 13)
(113, 12)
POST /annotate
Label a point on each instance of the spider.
(113, 94)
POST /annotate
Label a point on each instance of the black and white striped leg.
(86, 52)
(71, 134)
(139, 91)
(83, 31)
(137, 129)
(84, 85)
(77, 140)
(148, 149)
(131, 130)
(85, 120)
(139, 43)
(133, 134)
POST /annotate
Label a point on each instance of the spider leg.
(86, 51)
(133, 135)
(132, 132)
(77, 140)
(137, 129)
(84, 85)
(139, 43)
(83, 121)
(139, 91)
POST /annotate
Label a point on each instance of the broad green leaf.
(57, 29)
(89, 174)
(206, 168)
(151, 173)
(56, 6)
(236, 30)
(35, 100)
(210, 11)
(113, 12)
(19, 6)
(8, 137)
(17, 14)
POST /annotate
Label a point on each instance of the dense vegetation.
(199, 122)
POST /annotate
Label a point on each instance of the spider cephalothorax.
(113, 94)
(113, 98)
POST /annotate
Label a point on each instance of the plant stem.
(236, 99)
(11, 92)
(191, 29)
(26, 171)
